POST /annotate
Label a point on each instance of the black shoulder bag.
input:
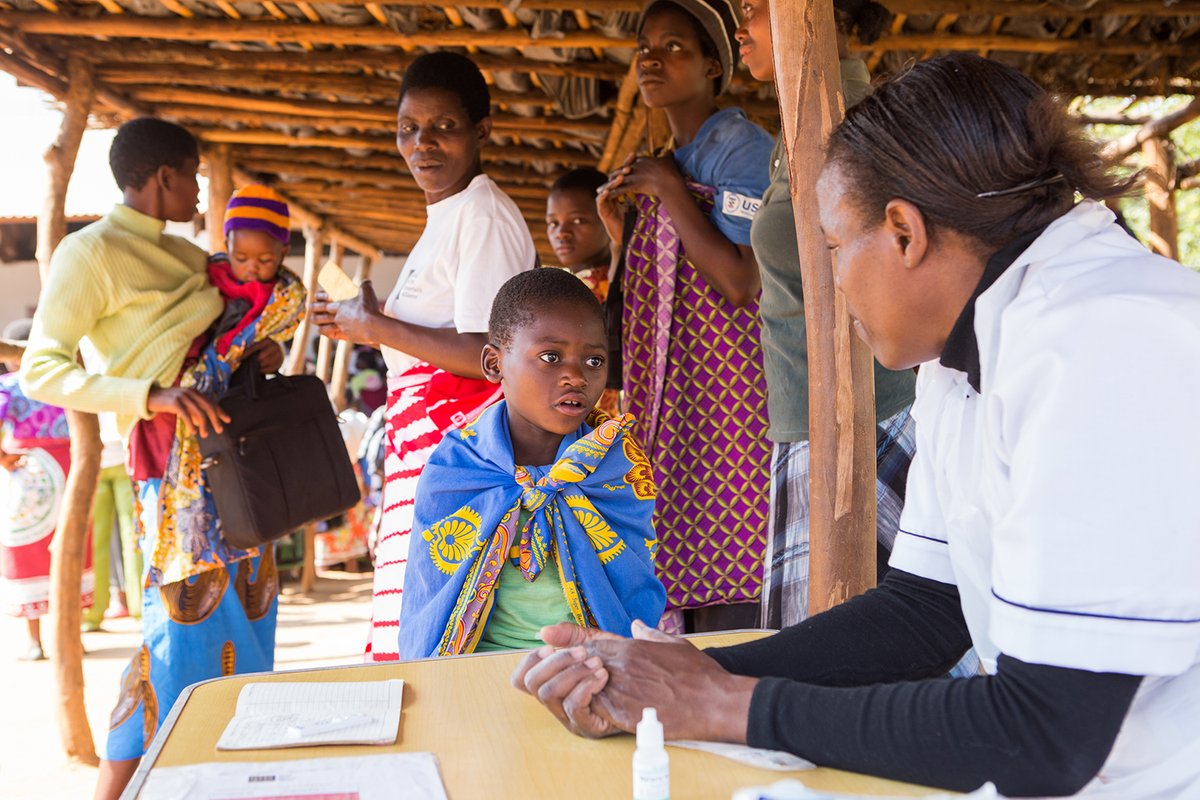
(280, 463)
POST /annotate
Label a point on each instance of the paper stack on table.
(303, 714)
(413, 776)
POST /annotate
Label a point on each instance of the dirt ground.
(326, 628)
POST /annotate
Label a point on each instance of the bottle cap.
(649, 730)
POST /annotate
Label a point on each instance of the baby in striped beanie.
(256, 240)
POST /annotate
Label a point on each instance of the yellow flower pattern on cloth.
(453, 539)
(604, 539)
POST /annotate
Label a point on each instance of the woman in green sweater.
(143, 299)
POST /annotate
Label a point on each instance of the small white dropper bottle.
(651, 773)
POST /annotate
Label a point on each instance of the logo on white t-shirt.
(739, 205)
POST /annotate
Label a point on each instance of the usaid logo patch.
(739, 205)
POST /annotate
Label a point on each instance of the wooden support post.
(220, 189)
(1158, 166)
(67, 550)
(314, 246)
(840, 368)
(341, 360)
(325, 345)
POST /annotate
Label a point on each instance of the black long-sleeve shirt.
(860, 687)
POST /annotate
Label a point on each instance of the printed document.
(302, 714)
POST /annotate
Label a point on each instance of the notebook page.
(302, 714)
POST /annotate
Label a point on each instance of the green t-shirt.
(520, 608)
(781, 307)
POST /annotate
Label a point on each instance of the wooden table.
(491, 740)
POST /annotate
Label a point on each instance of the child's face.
(576, 233)
(254, 255)
(439, 142)
(553, 373)
(671, 69)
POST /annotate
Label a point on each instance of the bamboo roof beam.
(216, 30)
(357, 86)
(503, 6)
(379, 144)
(283, 166)
(627, 97)
(1118, 149)
(325, 188)
(199, 116)
(1017, 44)
(394, 161)
(1180, 8)
(113, 54)
(896, 27)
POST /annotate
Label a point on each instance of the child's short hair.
(451, 72)
(519, 299)
(143, 145)
(583, 179)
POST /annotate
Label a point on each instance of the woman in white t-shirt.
(433, 327)
(1050, 518)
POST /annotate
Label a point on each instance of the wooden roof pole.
(67, 550)
(324, 344)
(341, 358)
(314, 248)
(1158, 183)
(220, 189)
(840, 370)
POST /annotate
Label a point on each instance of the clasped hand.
(596, 684)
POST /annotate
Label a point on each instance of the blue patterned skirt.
(220, 622)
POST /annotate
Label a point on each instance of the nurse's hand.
(351, 320)
(694, 696)
(565, 679)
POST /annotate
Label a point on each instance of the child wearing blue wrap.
(540, 511)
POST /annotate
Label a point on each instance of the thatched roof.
(303, 93)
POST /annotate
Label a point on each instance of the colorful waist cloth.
(186, 539)
(219, 622)
(590, 512)
(694, 377)
(30, 498)
(424, 404)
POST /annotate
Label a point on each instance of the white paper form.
(302, 714)
(413, 776)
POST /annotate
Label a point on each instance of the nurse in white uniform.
(1051, 514)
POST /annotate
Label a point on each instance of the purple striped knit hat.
(258, 208)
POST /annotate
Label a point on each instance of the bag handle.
(248, 376)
